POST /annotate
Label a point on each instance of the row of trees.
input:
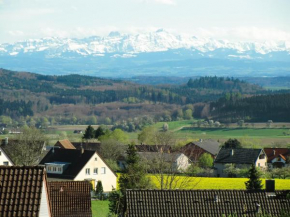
(255, 108)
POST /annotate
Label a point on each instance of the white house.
(241, 158)
(4, 158)
(177, 161)
(79, 165)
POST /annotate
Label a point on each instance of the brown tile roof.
(204, 203)
(273, 153)
(70, 199)
(208, 145)
(20, 190)
(65, 144)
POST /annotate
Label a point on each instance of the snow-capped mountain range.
(134, 50)
(116, 42)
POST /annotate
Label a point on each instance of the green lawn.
(174, 125)
(236, 132)
(100, 208)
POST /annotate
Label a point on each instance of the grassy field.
(100, 208)
(182, 130)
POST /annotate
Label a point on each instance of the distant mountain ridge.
(133, 54)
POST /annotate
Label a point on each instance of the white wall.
(4, 158)
(108, 180)
(44, 207)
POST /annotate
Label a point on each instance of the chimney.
(216, 198)
(258, 208)
(6, 141)
(200, 140)
(52, 150)
(274, 152)
(82, 149)
(232, 152)
(270, 185)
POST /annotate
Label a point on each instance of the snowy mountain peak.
(129, 44)
(114, 34)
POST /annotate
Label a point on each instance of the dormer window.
(56, 167)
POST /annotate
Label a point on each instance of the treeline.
(15, 108)
(221, 83)
(233, 107)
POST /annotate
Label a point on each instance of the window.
(59, 169)
(96, 158)
(0, 153)
(95, 171)
(5, 163)
(266, 164)
(103, 170)
(54, 169)
(258, 164)
(88, 171)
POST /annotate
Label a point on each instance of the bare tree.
(27, 148)
(167, 168)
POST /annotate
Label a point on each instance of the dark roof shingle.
(70, 198)
(240, 156)
(203, 203)
(75, 157)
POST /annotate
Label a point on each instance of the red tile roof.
(273, 153)
(70, 198)
(20, 190)
(65, 144)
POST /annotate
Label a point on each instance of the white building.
(241, 158)
(5, 160)
(79, 165)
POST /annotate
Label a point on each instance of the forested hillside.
(258, 108)
(76, 99)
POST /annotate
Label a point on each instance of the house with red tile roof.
(24, 192)
(277, 157)
(70, 198)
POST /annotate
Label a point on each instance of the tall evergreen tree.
(255, 182)
(99, 190)
(89, 133)
(99, 132)
(133, 177)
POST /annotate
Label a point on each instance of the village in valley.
(144, 108)
(105, 173)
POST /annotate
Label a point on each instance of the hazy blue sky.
(226, 19)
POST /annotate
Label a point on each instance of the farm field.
(219, 183)
(183, 130)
